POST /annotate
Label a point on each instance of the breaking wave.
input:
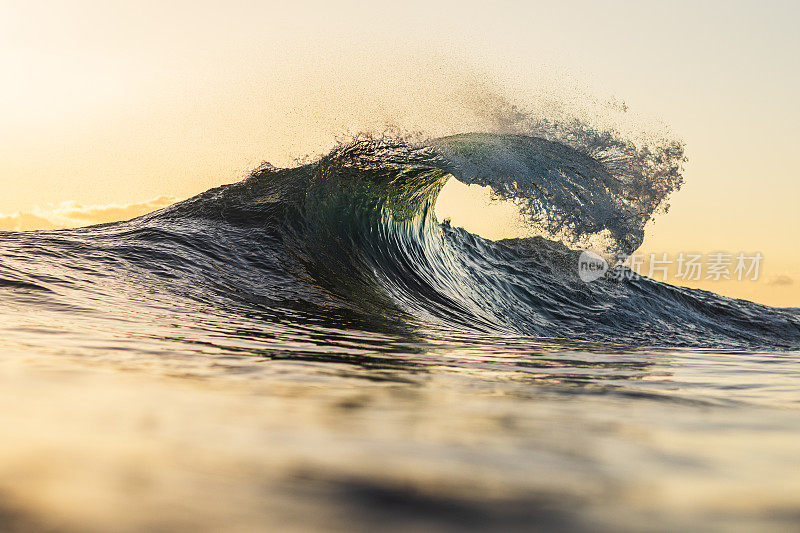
(354, 233)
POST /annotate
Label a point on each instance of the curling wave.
(356, 232)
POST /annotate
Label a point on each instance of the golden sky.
(110, 109)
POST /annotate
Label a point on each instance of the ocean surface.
(311, 349)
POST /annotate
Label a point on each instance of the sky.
(112, 109)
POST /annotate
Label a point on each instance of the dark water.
(311, 349)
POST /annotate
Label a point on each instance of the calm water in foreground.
(183, 420)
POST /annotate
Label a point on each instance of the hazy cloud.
(24, 222)
(73, 214)
(781, 280)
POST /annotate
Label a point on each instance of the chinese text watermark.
(716, 266)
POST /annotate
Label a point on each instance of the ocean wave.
(355, 232)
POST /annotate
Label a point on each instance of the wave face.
(355, 233)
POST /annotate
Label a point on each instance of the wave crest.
(356, 229)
